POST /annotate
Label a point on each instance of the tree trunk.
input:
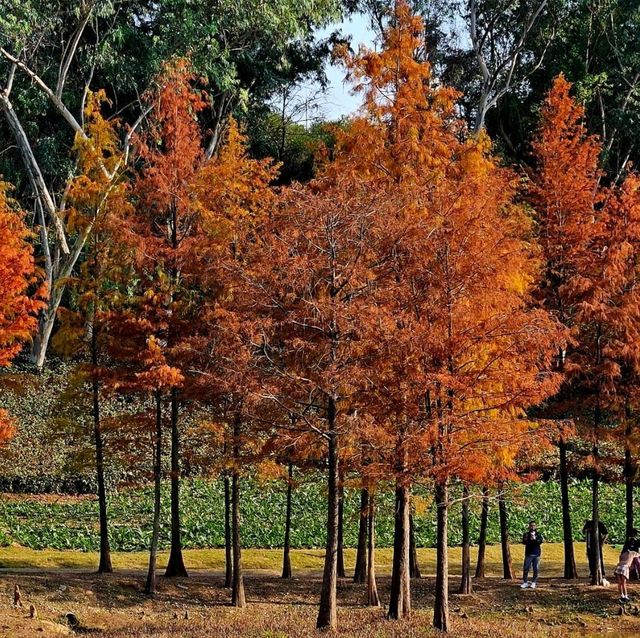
(482, 540)
(629, 477)
(414, 566)
(570, 570)
(175, 567)
(441, 604)
(594, 559)
(237, 584)
(507, 564)
(327, 613)
(43, 336)
(341, 570)
(629, 472)
(465, 581)
(360, 571)
(597, 572)
(286, 557)
(104, 565)
(150, 586)
(400, 598)
(228, 556)
(48, 217)
(373, 600)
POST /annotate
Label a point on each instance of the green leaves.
(72, 523)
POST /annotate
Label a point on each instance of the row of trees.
(417, 311)
(248, 51)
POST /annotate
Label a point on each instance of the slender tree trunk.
(360, 571)
(597, 574)
(373, 599)
(341, 570)
(570, 570)
(42, 338)
(104, 565)
(400, 599)
(228, 555)
(596, 565)
(629, 471)
(441, 604)
(175, 567)
(482, 541)
(286, 557)
(414, 566)
(150, 586)
(507, 564)
(59, 267)
(629, 477)
(237, 584)
(327, 613)
(465, 581)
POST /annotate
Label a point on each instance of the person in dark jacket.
(531, 539)
(592, 551)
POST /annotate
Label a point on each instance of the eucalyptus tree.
(53, 53)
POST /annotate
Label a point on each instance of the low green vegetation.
(71, 523)
(16, 557)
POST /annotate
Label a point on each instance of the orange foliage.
(18, 275)
(98, 206)
(590, 234)
(461, 353)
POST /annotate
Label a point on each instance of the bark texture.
(176, 566)
(150, 585)
(400, 597)
(373, 600)
(441, 604)
(327, 612)
(360, 571)
(286, 554)
(570, 570)
(507, 563)
(465, 581)
(482, 539)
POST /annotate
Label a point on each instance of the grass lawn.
(16, 557)
(113, 606)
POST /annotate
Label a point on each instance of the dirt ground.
(113, 606)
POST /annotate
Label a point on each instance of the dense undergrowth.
(71, 523)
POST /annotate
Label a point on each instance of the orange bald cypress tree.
(402, 141)
(18, 277)
(98, 208)
(623, 273)
(141, 369)
(167, 222)
(308, 285)
(573, 217)
(461, 354)
(235, 193)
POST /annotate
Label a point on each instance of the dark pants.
(530, 562)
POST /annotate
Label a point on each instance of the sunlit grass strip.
(16, 557)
